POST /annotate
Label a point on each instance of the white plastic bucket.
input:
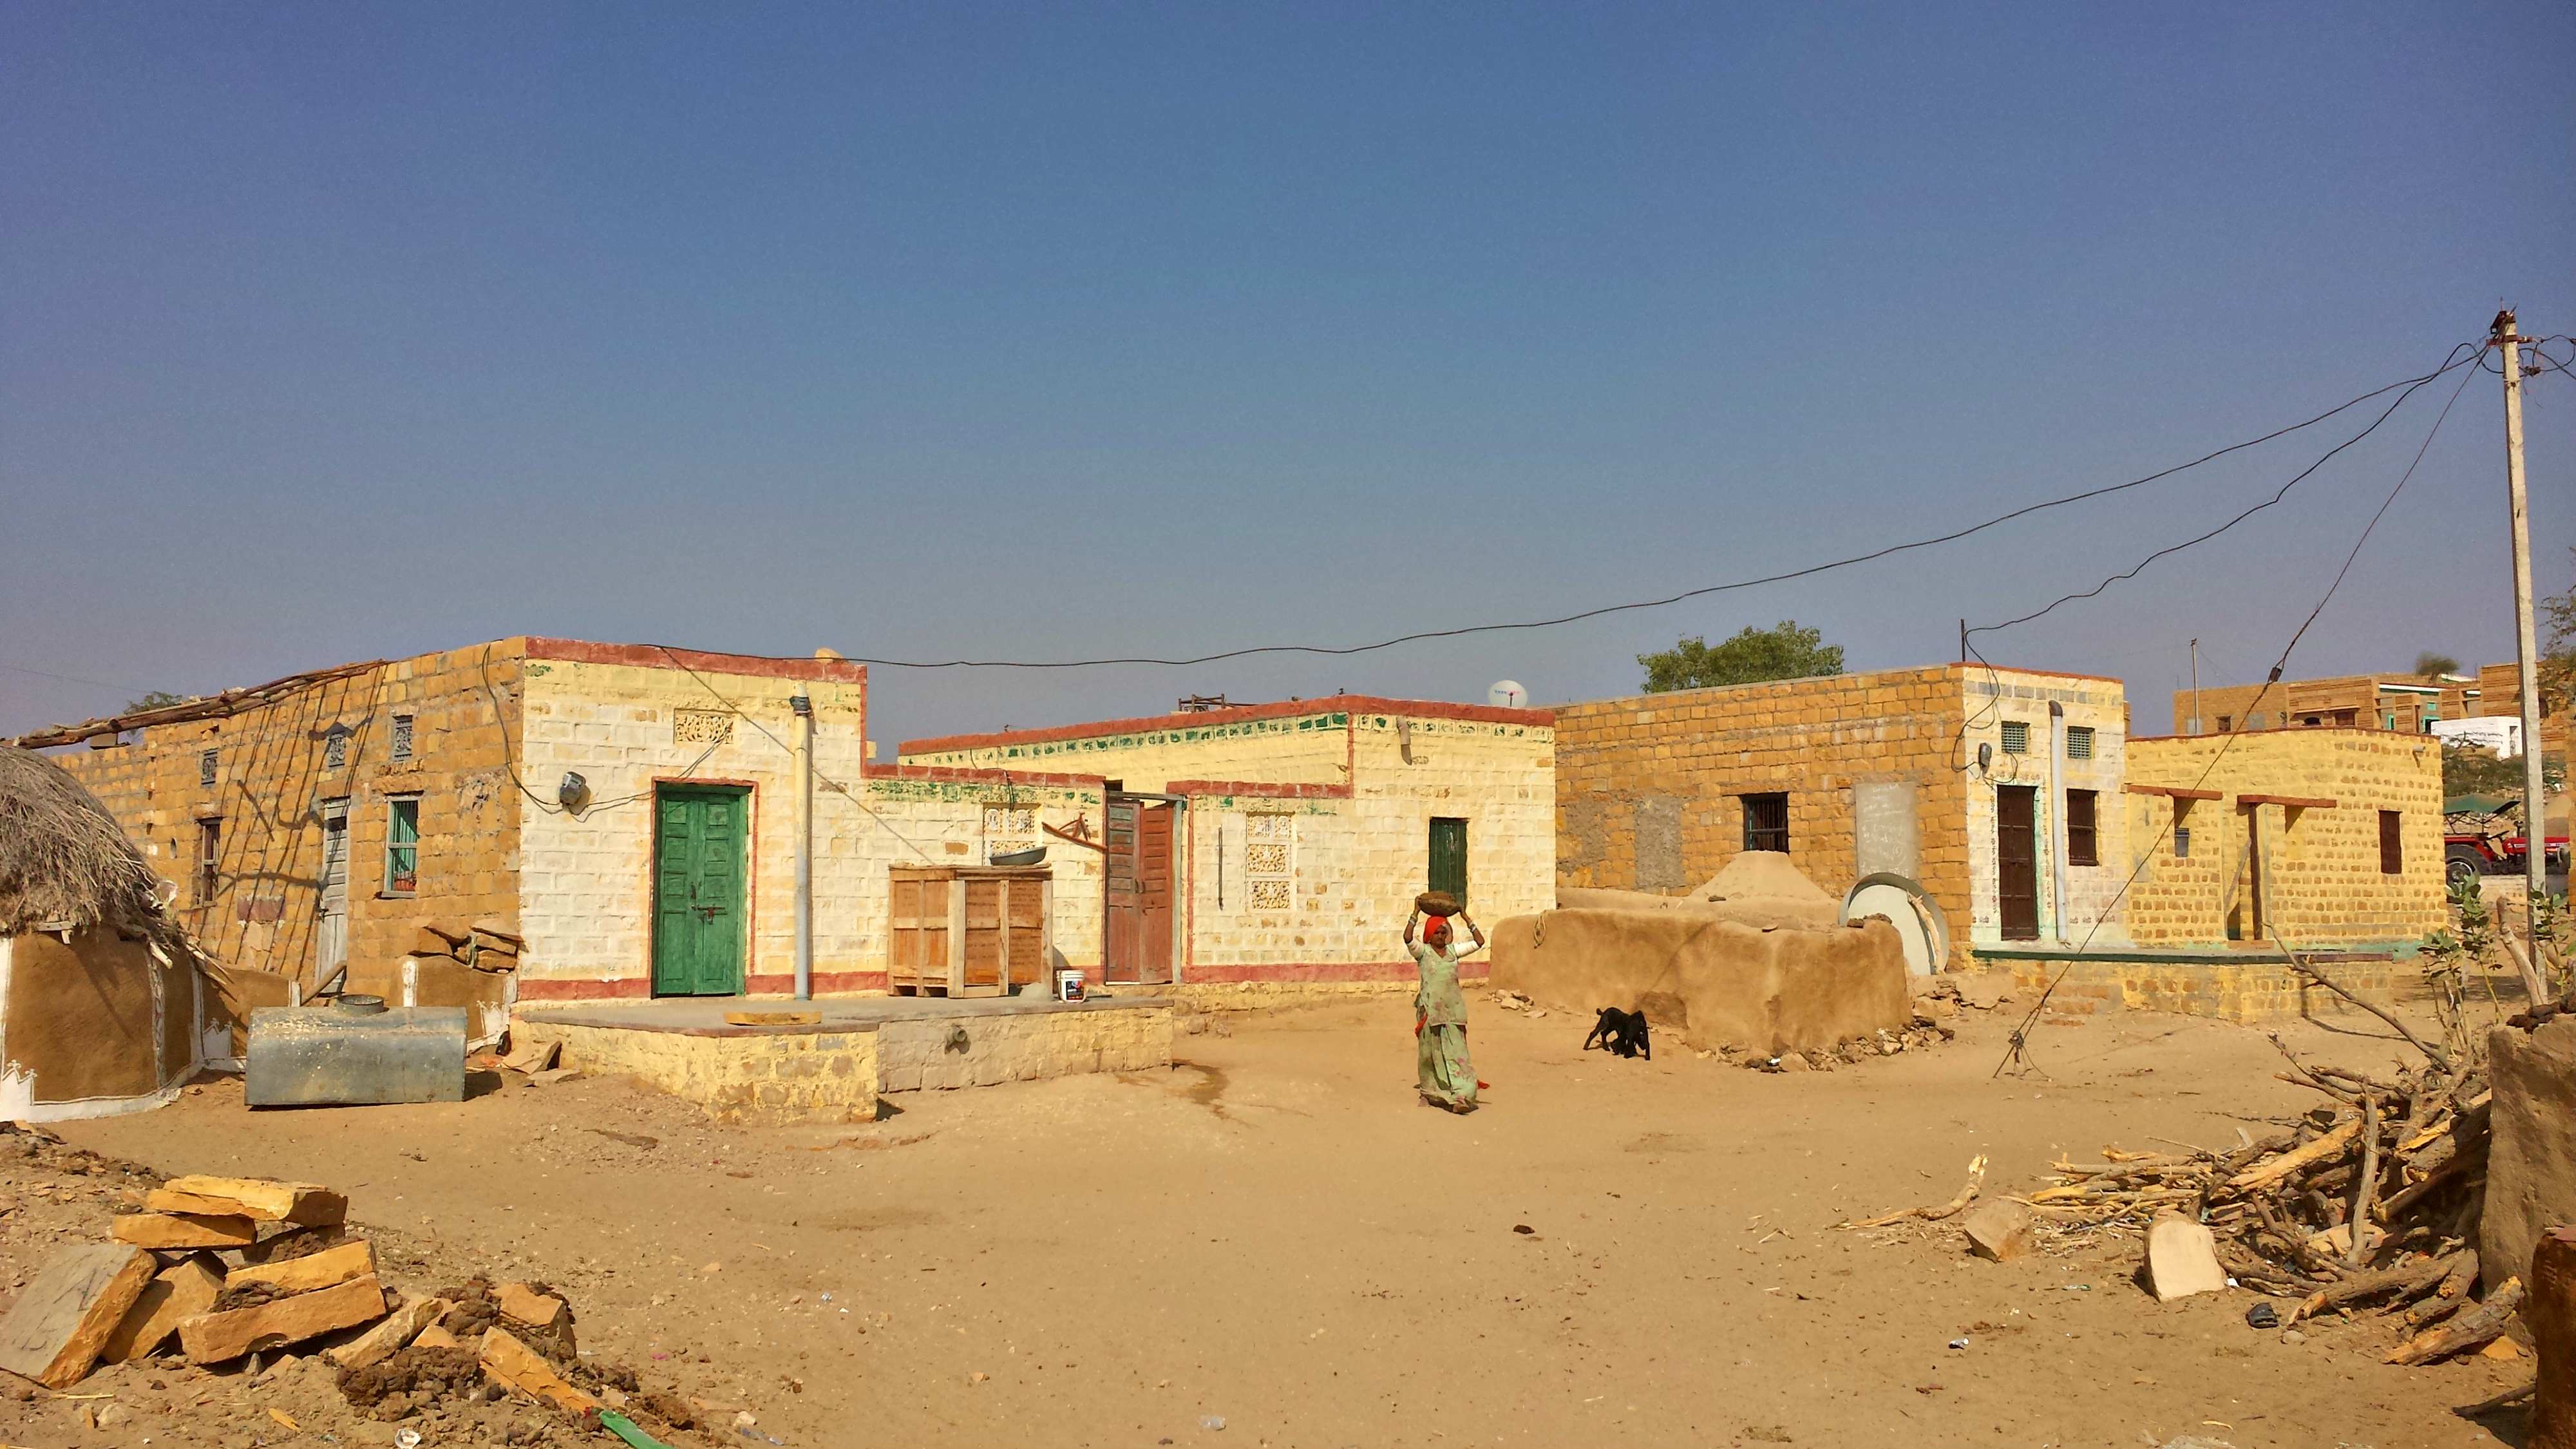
(1068, 986)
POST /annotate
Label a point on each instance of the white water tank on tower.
(1507, 694)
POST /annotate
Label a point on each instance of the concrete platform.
(2246, 985)
(863, 1047)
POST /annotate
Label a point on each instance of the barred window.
(1766, 822)
(210, 836)
(335, 748)
(2079, 742)
(1269, 857)
(402, 845)
(402, 737)
(2182, 842)
(2016, 737)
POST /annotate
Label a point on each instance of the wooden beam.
(2176, 792)
(2294, 802)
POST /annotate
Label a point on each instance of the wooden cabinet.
(964, 930)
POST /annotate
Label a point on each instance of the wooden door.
(2017, 861)
(331, 928)
(1448, 865)
(698, 890)
(1136, 944)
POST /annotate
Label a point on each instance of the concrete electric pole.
(2535, 821)
(2195, 688)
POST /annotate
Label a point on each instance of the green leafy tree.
(2469, 769)
(2558, 659)
(2429, 664)
(155, 700)
(1752, 655)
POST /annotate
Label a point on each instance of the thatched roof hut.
(64, 862)
(101, 1000)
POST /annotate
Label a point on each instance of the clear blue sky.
(336, 331)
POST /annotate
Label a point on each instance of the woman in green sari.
(1440, 1013)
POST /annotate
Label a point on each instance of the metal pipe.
(2057, 816)
(804, 708)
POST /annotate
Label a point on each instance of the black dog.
(1623, 1032)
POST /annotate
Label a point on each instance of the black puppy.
(1623, 1032)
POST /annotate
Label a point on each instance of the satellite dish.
(1507, 694)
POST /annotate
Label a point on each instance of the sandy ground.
(1276, 1233)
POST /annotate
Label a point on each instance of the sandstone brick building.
(1284, 843)
(2325, 837)
(625, 812)
(1996, 790)
(2405, 703)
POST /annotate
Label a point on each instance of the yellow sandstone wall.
(273, 781)
(1648, 787)
(1357, 863)
(2093, 905)
(2325, 886)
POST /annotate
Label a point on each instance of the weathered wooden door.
(2017, 861)
(331, 926)
(698, 890)
(1449, 856)
(1136, 941)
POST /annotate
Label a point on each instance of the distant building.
(2406, 703)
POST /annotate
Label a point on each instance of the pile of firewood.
(2372, 1199)
(222, 1269)
(485, 946)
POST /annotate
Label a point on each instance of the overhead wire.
(2018, 1045)
(1704, 591)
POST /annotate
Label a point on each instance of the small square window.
(210, 839)
(2079, 742)
(402, 845)
(2226, 723)
(2182, 842)
(401, 750)
(206, 764)
(335, 748)
(2080, 834)
(2016, 737)
(1766, 822)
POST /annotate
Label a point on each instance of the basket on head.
(1436, 903)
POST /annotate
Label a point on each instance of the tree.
(2429, 664)
(155, 700)
(2469, 769)
(2558, 654)
(1782, 652)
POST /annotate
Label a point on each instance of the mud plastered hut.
(100, 996)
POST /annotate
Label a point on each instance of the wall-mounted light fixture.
(574, 792)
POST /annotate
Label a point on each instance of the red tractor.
(2483, 835)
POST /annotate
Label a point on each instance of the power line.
(75, 679)
(2278, 494)
(2020, 1040)
(2410, 384)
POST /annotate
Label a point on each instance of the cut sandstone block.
(222, 1337)
(182, 1290)
(184, 1230)
(259, 1199)
(2182, 1259)
(57, 1326)
(517, 1366)
(313, 1271)
(413, 1321)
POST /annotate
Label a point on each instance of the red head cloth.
(1434, 923)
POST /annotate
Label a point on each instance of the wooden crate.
(970, 930)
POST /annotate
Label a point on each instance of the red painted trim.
(2175, 791)
(970, 775)
(1297, 971)
(654, 656)
(2295, 802)
(826, 983)
(1284, 709)
(1258, 787)
(617, 988)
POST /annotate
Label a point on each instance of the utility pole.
(2535, 823)
(2195, 686)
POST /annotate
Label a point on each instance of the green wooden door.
(697, 891)
(1449, 856)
